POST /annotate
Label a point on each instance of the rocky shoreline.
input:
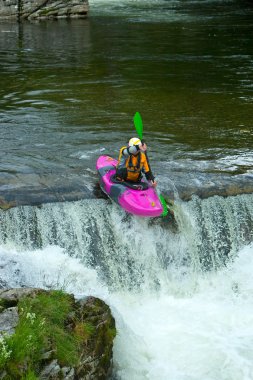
(43, 9)
(36, 331)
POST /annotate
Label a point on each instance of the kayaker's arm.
(147, 170)
(148, 173)
(149, 176)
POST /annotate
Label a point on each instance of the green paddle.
(138, 124)
(139, 129)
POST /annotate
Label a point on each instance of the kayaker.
(133, 161)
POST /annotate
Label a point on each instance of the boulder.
(89, 320)
(11, 297)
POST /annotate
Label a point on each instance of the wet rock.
(34, 190)
(43, 9)
(205, 185)
(95, 362)
(51, 371)
(8, 320)
(68, 373)
(11, 297)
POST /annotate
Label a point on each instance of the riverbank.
(42, 10)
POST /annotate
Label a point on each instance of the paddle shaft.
(139, 129)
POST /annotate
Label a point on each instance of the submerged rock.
(88, 321)
(206, 185)
(43, 9)
(35, 190)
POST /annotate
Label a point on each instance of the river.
(181, 291)
(69, 90)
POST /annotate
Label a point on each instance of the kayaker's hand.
(143, 147)
(153, 183)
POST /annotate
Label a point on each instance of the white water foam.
(136, 10)
(206, 333)
(153, 10)
(175, 319)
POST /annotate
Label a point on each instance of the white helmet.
(134, 141)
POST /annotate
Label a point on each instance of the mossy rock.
(56, 334)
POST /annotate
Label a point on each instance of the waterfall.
(181, 291)
(131, 252)
(122, 248)
(217, 228)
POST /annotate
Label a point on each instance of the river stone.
(8, 321)
(51, 371)
(68, 373)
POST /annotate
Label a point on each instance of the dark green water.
(69, 90)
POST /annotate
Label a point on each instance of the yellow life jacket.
(134, 164)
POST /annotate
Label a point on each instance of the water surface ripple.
(69, 89)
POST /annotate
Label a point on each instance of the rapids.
(181, 293)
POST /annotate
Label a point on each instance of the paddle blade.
(138, 124)
(164, 204)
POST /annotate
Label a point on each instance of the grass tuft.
(40, 328)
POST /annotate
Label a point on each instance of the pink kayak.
(138, 199)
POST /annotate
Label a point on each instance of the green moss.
(107, 342)
(111, 333)
(30, 375)
(66, 346)
(89, 328)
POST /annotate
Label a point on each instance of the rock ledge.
(43, 9)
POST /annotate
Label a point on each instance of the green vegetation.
(84, 330)
(30, 375)
(41, 329)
